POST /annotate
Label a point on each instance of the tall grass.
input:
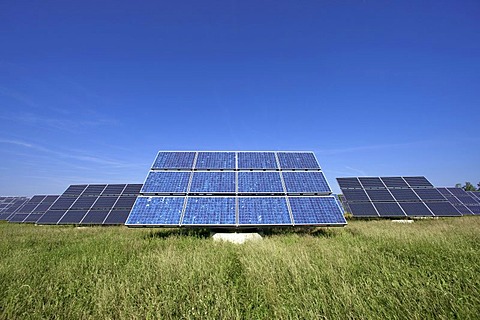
(369, 270)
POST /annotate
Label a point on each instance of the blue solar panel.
(117, 216)
(297, 160)
(462, 208)
(316, 210)
(114, 190)
(259, 182)
(84, 202)
(210, 211)
(371, 182)
(430, 194)
(51, 217)
(75, 190)
(363, 209)
(156, 211)
(170, 182)
(404, 195)
(394, 182)
(95, 216)
(355, 195)
(389, 209)
(306, 182)
(18, 217)
(215, 160)
(349, 183)
(415, 209)
(73, 217)
(63, 203)
(379, 195)
(106, 202)
(174, 160)
(263, 211)
(94, 190)
(125, 202)
(418, 182)
(445, 209)
(213, 182)
(257, 160)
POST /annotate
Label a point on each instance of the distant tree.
(469, 187)
(478, 185)
(458, 185)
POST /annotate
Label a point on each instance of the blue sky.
(91, 90)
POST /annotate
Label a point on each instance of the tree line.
(468, 186)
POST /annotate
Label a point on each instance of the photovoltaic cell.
(371, 182)
(117, 216)
(363, 209)
(257, 160)
(174, 160)
(316, 210)
(389, 209)
(83, 202)
(418, 182)
(263, 211)
(306, 182)
(114, 190)
(355, 195)
(74, 190)
(132, 189)
(475, 209)
(404, 195)
(63, 202)
(170, 182)
(215, 160)
(213, 182)
(51, 216)
(443, 209)
(94, 190)
(297, 160)
(259, 182)
(210, 211)
(430, 194)
(95, 216)
(73, 217)
(349, 183)
(106, 202)
(394, 182)
(415, 209)
(125, 202)
(156, 211)
(379, 195)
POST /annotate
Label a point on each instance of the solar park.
(60, 258)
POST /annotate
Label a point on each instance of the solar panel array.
(33, 209)
(395, 197)
(466, 203)
(235, 189)
(92, 204)
(10, 205)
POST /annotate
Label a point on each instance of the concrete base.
(403, 221)
(237, 238)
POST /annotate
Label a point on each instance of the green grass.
(369, 270)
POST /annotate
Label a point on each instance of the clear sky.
(91, 90)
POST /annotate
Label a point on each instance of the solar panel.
(174, 160)
(363, 209)
(161, 211)
(215, 160)
(297, 160)
(389, 209)
(475, 194)
(235, 189)
(132, 189)
(316, 211)
(355, 195)
(475, 209)
(444, 209)
(263, 211)
(259, 182)
(213, 182)
(430, 194)
(415, 209)
(166, 182)
(394, 182)
(418, 182)
(410, 196)
(312, 182)
(371, 182)
(10, 205)
(379, 195)
(117, 216)
(115, 189)
(210, 211)
(404, 195)
(349, 183)
(257, 160)
(92, 204)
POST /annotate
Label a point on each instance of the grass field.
(369, 270)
